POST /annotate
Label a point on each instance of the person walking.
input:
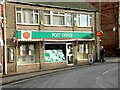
(102, 54)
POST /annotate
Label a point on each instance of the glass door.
(69, 53)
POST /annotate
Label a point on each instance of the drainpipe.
(96, 55)
(4, 39)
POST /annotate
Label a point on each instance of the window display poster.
(22, 50)
(54, 56)
(81, 48)
(31, 49)
(11, 54)
(86, 48)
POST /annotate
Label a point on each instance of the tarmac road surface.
(92, 76)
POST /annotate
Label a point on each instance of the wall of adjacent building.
(108, 14)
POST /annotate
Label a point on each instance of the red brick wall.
(108, 12)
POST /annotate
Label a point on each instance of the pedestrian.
(102, 54)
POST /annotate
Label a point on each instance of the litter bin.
(118, 52)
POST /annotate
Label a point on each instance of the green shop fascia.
(52, 55)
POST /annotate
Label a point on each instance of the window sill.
(57, 25)
(25, 24)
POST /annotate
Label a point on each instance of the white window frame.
(89, 18)
(71, 16)
(58, 14)
(33, 12)
(78, 19)
(86, 18)
(64, 14)
(49, 15)
(20, 12)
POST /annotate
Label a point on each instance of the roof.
(64, 5)
(69, 5)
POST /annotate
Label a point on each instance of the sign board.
(99, 33)
(53, 35)
(26, 35)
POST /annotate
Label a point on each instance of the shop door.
(69, 53)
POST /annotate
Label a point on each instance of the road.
(92, 76)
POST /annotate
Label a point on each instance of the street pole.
(4, 39)
(99, 38)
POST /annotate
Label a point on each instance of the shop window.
(11, 54)
(55, 53)
(31, 49)
(26, 54)
(22, 50)
(83, 50)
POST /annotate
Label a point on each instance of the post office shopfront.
(47, 50)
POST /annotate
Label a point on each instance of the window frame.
(57, 13)
(22, 17)
(31, 56)
(45, 14)
(71, 16)
(89, 18)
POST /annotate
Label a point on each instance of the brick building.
(109, 25)
(49, 35)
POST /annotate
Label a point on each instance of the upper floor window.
(84, 20)
(69, 19)
(27, 16)
(58, 18)
(47, 17)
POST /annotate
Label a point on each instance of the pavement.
(6, 79)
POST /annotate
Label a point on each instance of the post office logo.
(26, 35)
